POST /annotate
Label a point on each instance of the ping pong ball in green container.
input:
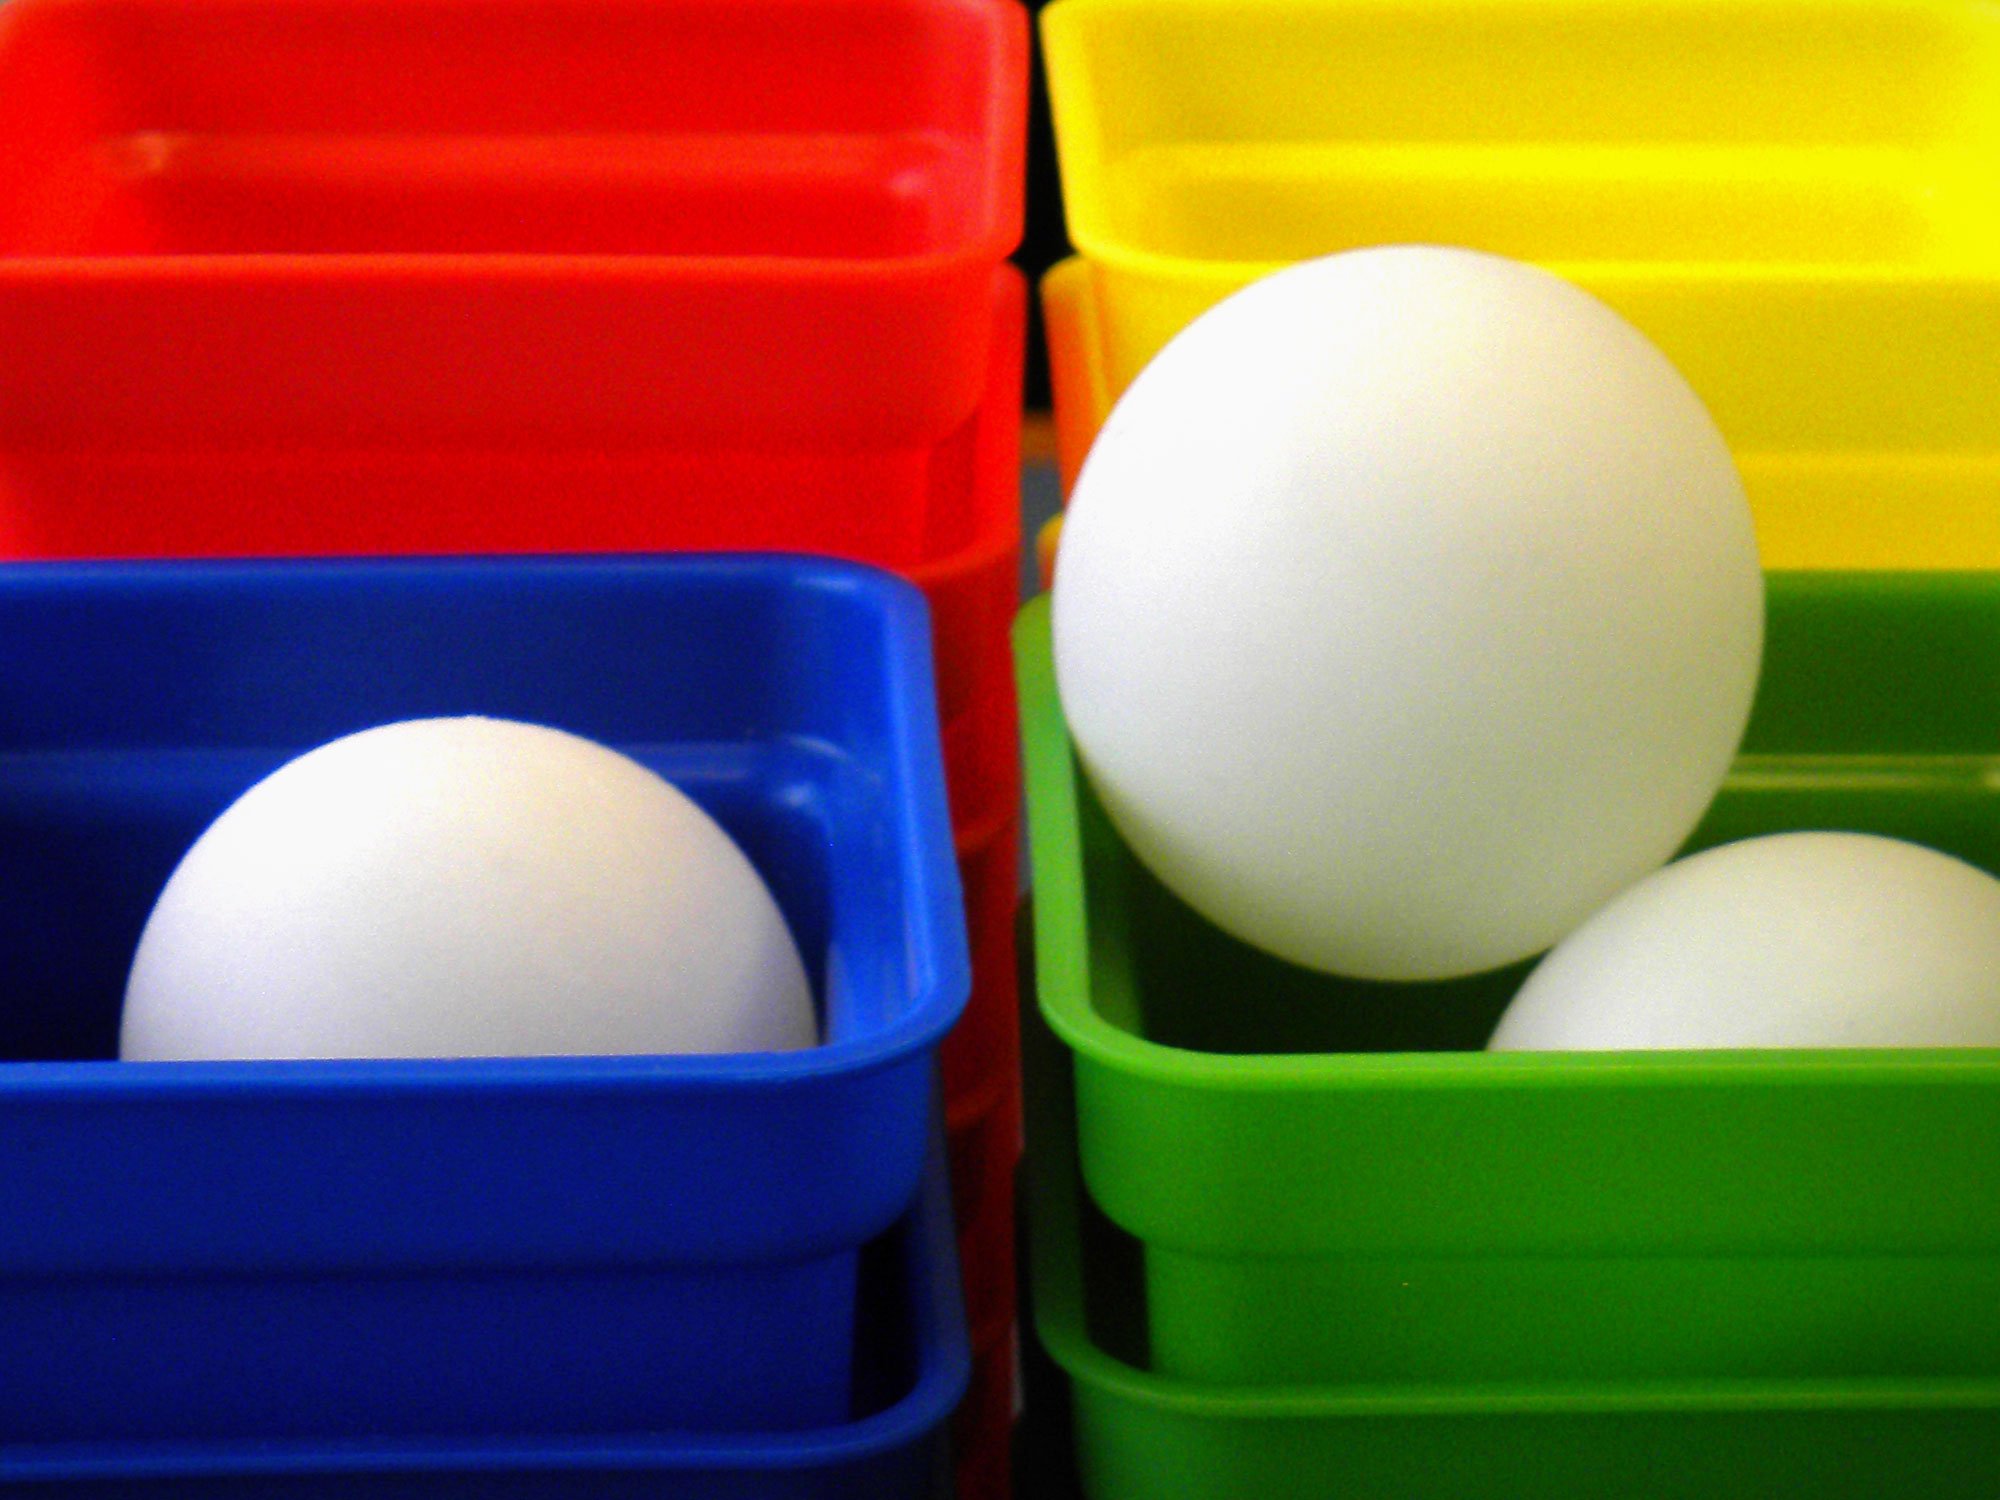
(1815, 939)
(1409, 609)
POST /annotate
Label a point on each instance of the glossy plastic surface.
(484, 1247)
(981, 1056)
(943, 511)
(1787, 198)
(912, 1365)
(1327, 1179)
(982, 1433)
(1141, 1435)
(586, 224)
(1872, 494)
(968, 560)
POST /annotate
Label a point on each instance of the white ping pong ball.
(1793, 940)
(464, 887)
(1408, 608)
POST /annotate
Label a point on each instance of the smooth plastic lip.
(995, 230)
(458, 266)
(1188, 270)
(933, 1315)
(938, 958)
(1082, 1360)
(1064, 982)
(1920, 503)
(1078, 57)
(1056, 1242)
(1062, 1334)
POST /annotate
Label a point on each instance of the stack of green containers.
(1298, 1236)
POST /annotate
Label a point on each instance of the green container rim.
(1054, 1192)
(1064, 987)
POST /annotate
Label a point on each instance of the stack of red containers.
(311, 277)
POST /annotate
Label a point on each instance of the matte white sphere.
(1408, 608)
(1795, 940)
(464, 888)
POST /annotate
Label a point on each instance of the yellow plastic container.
(1819, 501)
(1798, 200)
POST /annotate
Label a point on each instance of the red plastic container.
(983, 1131)
(284, 277)
(968, 562)
(982, 1433)
(964, 552)
(981, 1056)
(981, 1065)
(985, 1147)
(968, 565)
(637, 224)
(311, 277)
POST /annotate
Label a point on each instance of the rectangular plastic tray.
(1790, 200)
(522, 224)
(1328, 1179)
(1142, 1435)
(912, 1367)
(530, 1247)
(942, 508)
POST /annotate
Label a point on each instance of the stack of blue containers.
(501, 1277)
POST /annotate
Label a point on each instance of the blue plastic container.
(539, 1248)
(911, 1369)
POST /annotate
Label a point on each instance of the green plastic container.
(1138, 1435)
(1325, 1181)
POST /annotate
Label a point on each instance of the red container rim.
(997, 225)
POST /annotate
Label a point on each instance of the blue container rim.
(940, 963)
(933, 1309)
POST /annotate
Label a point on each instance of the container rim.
(1066, 33)
(938, 958)
(1064, 982)
(442, 269)
(934, 1316)
(996, 231)
(1874, 535)
(1119, 255)
(1075, 313)
(997, 536)
(1056, 1250)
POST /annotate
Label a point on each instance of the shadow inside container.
(1863, 723)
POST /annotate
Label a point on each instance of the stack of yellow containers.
(1798, 202)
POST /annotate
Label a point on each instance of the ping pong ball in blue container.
(464, 887)
(1409, 608)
